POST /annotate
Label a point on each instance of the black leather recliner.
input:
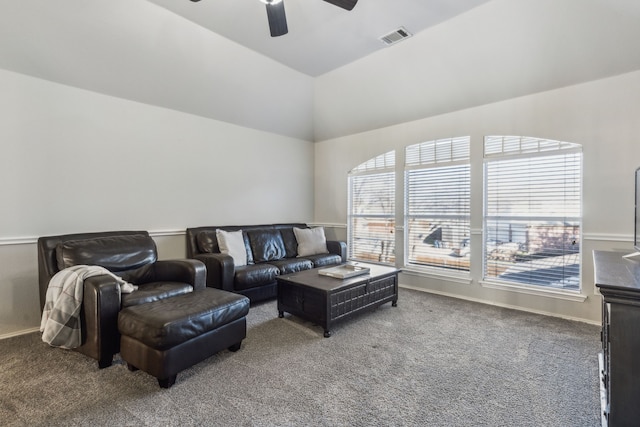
(131, 255)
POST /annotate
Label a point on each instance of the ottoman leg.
(167, 382)
(131, 368)
(235, 347)
(105, 362)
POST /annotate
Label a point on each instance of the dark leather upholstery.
(266, 245)
(292, 265)
(129, 254)
(155, 291)
(272, 249)
(251, 276)
(323, 260)
(172, 321)
(167, 336)
(108, 252)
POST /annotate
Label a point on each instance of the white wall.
(137, 50)
(496, 51)
(74, 160)
(600, 115)
(77, 161)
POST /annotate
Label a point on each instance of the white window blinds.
(371, 222)
(532, 218)
(437, 197)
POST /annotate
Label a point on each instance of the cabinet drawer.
(361, 296)
(301, 300)
(290, 296)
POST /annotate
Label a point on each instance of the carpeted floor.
(431, 361)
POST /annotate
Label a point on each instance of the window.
(371, 222)
(437, 196)
(532, 211)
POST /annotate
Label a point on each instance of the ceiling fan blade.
(345, 4)
(277, 19)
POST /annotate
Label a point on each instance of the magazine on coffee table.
(344, 271)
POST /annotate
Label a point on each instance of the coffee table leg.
(280, 314)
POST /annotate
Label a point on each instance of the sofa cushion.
(232, 243)
(254, 275)
(311, 241)
(290, 242)
(292, 265)
(115, 253)
(247, 245)
(266, 245)
(207, 242)
(322, 260)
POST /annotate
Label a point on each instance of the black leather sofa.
(131, 255)
(257, 279)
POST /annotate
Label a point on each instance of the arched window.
(532, 211)
(371, 214)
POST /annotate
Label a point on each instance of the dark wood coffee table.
(326, 300)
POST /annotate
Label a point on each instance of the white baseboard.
(497, 304)
(18, 333)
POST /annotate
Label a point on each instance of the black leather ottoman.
(167, 336)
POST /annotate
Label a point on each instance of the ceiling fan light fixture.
(278, 19)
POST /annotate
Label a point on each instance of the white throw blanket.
(60, 325)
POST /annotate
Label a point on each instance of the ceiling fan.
(278, 20)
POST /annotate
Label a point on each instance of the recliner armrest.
(101, 304)
(220, 270)
(182, 270)
(338, 248)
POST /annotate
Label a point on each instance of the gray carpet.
(431, 361)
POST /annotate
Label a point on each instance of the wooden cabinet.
(619, 282)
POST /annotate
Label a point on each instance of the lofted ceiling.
(321, 36)
(331, 75)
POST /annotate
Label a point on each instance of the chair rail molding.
(9, 241)
(327, 225)
(29, 240)
(608, 237)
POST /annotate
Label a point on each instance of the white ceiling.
(216, 59)
(321, 36)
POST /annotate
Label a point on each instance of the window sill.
(457, 277)
(563, 294)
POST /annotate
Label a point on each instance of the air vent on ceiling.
(395, 36)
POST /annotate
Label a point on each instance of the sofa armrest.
(338, 248)
(101, 304)
(182, 270)
(220, 270)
